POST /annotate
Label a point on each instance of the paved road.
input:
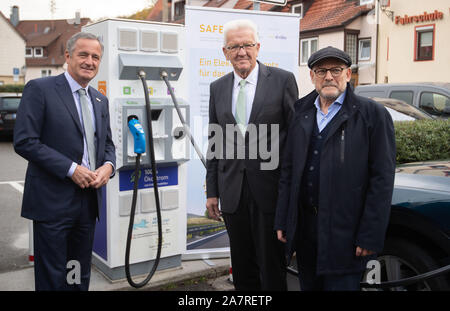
(13, 228)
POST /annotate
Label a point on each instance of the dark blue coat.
(48, 134)
(356, 181)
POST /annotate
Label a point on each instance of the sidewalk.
(212, 272)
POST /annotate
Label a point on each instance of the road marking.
(11, 181)
(15, 184)
(22, 241)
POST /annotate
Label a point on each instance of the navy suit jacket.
(48, 134)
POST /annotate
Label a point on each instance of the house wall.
(335, 39)
(367, 27)
(397, 44)
(36, 72)
(12, 53)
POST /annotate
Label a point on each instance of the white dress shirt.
(252, 80)
(74, 87)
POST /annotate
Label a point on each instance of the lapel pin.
(98, 99)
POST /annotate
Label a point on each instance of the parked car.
(418, 235)
(402, 111)
(433, 98)
(9, 103)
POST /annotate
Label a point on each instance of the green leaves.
(422, 140)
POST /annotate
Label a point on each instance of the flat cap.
(329, 52)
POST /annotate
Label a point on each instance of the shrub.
(11, 88)
(423, 140)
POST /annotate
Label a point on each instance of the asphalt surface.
(13, 228)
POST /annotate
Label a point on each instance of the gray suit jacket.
(276, 93)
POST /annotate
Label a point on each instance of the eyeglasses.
(236, 48)
(322, 72)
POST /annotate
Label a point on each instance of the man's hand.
(82, 176)
(281, 236)
(212, 205)
(363, 252)
(103, 173)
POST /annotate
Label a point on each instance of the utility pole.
(52, 11)
(53, 8)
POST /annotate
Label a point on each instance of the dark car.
(418, 236)
(9, 103)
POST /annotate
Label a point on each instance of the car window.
(10, 103)
(370, 93)
(435, 104)
(406, 96)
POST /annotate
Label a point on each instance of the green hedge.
(12, 88)
(423, 140)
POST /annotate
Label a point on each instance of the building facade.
(45, 44)
(12, 53)
(348, 25)
(414, 41)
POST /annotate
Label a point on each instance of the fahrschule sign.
(425, 17)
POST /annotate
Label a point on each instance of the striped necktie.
(88, 128)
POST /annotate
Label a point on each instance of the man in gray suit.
(256, 103)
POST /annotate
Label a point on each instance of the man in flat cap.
(337, 178)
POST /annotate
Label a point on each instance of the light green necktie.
(241, 107)
(88, 127)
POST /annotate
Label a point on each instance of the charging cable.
(139, 135)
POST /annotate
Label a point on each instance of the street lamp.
(383, 5)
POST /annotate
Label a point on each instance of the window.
(351, 46)
(435, 104)
(46, 72)
(297, 8)
(38, 52)
(406, 96)
(307, 47)
(424, 43)
(364, 49)
(179, 8)
(28, 52)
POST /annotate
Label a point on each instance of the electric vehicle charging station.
(132, 47)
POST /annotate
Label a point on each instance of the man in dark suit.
(63, 130)
(249, 109)
(337, 178)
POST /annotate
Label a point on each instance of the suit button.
(306, 117)
(311, 168)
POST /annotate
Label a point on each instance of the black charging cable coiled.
(135, 191)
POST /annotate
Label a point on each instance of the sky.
(65, 9)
